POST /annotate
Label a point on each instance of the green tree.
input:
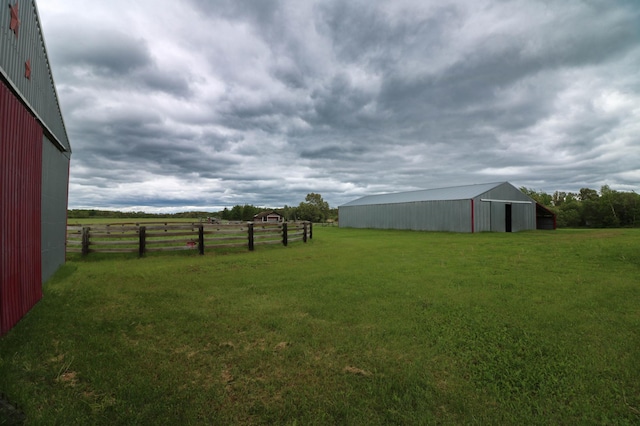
(591, 213)
(288, 213)
(236, 212)
(629, 208)
(249, 211)
(608, 204)
(225, 214)
(588, 194)
(313, 209)
(569, 214)
(558, 198)
(541, 197)
(241, 212)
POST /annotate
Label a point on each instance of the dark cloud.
(168, 82)
(363, 33)
(106, 53)
(346, 151)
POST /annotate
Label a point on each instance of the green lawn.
(354, 327)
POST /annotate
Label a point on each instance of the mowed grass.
(354, 327)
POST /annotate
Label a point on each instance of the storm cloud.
(174, 106)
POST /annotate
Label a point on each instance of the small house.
(268, 216)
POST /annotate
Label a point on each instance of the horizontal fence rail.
(150, 237)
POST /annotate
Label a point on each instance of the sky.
(204, 104)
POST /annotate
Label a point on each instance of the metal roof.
(465, 192)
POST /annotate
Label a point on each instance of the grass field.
(354, 327)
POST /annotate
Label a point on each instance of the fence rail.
(150, 237)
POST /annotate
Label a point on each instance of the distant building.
(498, 207)
(268, 216)
(545, 218)
(34, 164)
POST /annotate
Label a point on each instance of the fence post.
(250, 226)
(85, 241)
(201, 239)
(311, 230)
(285, 237)
(304, 232)
(142, 232)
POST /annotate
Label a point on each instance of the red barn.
(34, 164)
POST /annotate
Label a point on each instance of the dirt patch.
(357, 371)
(281, 346)
(58, 358)
(228, 345)
(226, 377)
(68, 377)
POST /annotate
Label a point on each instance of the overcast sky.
(201, 104)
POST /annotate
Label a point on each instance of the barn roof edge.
(460, 192)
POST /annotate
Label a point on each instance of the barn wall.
(451, 215)
(497, 217)
(55, 175)
(447, 215)
(523, 217)
(482, 216)
(490, 215)
(39, 91)
(20, 210)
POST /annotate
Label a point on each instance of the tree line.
(607, 208)
(114, 214)
(313, 209)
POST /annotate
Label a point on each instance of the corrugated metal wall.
(482, 216)
(449, 215)
(523, 217)
(20, 210)
(55, 176)
(498, 217)
(491, 215)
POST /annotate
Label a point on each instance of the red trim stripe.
(473, 219)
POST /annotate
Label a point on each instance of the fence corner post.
(85, 240)
(285, 236)
(201, 239)
(142, 232)
(250, 226)
(311, 230)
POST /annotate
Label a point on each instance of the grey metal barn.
(498, 207)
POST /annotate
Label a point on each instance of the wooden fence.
(149, 237)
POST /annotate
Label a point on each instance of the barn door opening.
(507, 217)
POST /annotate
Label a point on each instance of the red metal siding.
(20, 210)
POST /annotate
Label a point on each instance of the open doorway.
(507, 217)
